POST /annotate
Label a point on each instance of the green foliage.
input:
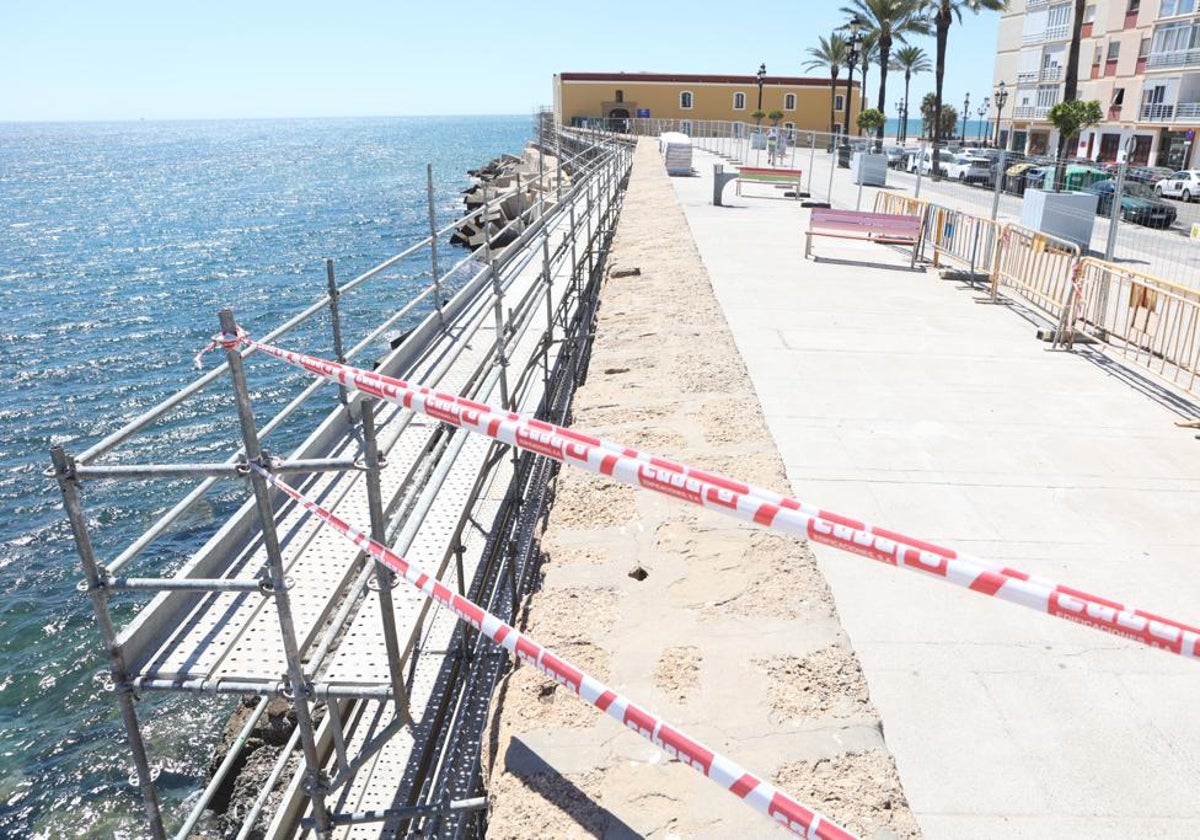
(775, 116)
(757, 116)
(870, 120)
(830, 55)
(928, 109)
(911, 59)
(1072, 117)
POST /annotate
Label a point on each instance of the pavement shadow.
(557, 790)
(918, 269)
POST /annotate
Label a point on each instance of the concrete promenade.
(909, 401)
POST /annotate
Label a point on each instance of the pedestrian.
(781, 148)
(772, 144)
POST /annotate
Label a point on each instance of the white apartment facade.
(1139, 58)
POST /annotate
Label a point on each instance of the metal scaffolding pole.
(314, 780)
(64, 471)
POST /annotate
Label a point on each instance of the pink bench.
(884, 228)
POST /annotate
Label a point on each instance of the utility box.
(868, 169)
(1067, 215)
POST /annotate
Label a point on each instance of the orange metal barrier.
(966, 239)
(1038, 267)
(1155, 325)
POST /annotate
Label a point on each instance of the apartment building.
(1139, 58)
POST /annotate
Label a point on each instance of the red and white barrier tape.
(759, 794)
(772, 510)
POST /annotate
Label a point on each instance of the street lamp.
(999, 96)
(902, 130)
(851, 60)
(762, 74)
(982, 112)
(966, 113)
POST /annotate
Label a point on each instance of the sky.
(64, 60)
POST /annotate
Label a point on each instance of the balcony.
(1033, 37)
(1178, 58)
(1037, 4)
(1182, 112)
(1052, 74)
(1031, 112)
(1027, 77)
(1058, 32)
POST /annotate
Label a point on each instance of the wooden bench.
(775, 177)
(884, 228)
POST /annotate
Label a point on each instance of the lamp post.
(762, 74)
(999, 96)
(851, 60)
(902, 130)
(982, 112)
(966, 113)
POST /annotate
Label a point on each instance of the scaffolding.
(390, 692)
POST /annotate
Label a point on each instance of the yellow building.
(616, 97)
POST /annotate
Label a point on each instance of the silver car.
(1184, 184)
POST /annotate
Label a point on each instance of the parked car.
(895, 155)
(1147, 174)
(1184, 184)
(970, 169)
(1015, 180)
(923, 160)
(1138, 204)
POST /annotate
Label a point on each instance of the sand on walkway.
(727, 630)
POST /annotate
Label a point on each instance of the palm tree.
(911, 60)
(888, 21)
(868, 54)
(1071, 80)
(944, 13)
(830, 55)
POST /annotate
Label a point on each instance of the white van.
(924, 160)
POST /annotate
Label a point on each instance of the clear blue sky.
(132, 59)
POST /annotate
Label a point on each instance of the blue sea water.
(975, 129)
(118, 244)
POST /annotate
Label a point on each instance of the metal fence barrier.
(966, 239)
(1037, 266)
(1153, 324)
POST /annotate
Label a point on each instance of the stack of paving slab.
(676, 150)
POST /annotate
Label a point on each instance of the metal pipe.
(999, 185)
(433, 240)
(385, 577)
(226, 470)
(64, 472)
(269, 785)
(336, 321)
(266, 513)
(183, 584)
(231, 758)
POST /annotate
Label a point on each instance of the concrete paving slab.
(904, 399)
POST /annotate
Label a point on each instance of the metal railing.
(583, 205)
(972, 241)
(1174, 58)
(1037, 266)
(1154, 325)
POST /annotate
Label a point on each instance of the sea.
(976, 129)
(119, 242)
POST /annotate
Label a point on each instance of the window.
(1114, 50)
(685, 100)
(790, 126)
(839, 103)
(686, 126)
(837, 128)
(1176, 7)
(620, 96)
(1134, 7)
(1089, 14)
(1144, 47)
(1118, 97)
(739, 101)
(1177, 37)
(789, 102)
